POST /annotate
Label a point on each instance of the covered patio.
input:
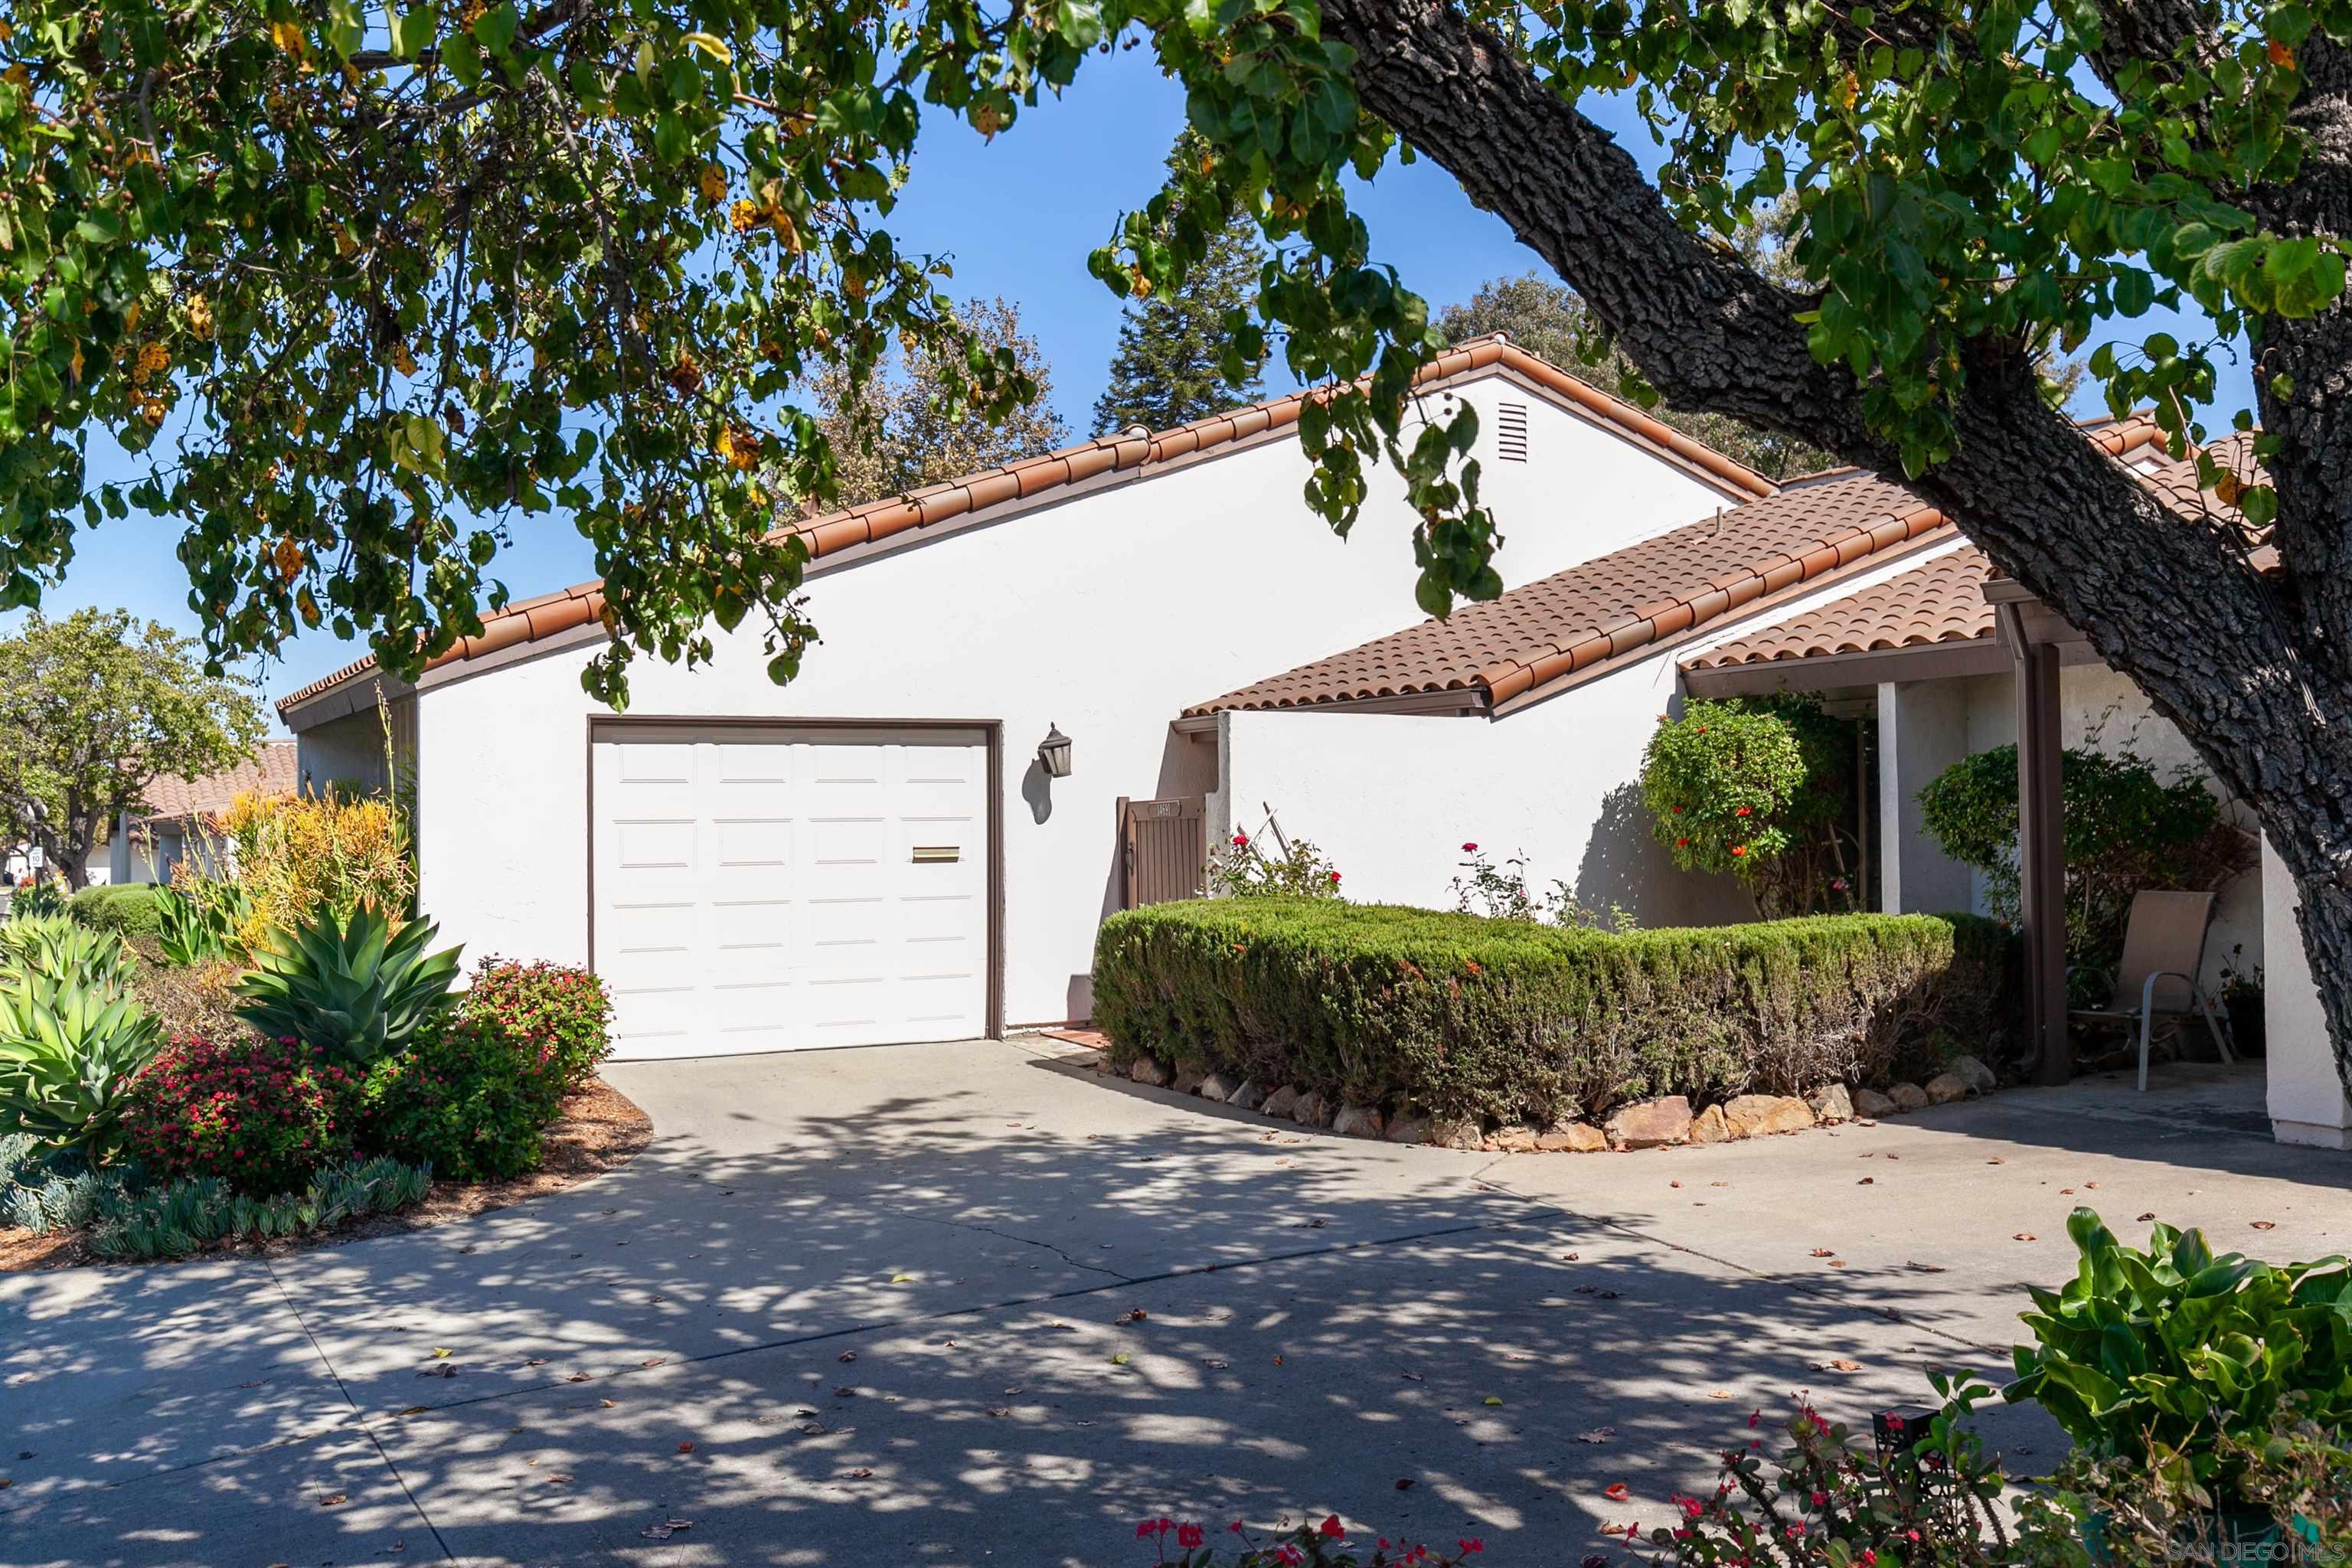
(1924, 654)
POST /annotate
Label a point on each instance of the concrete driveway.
(966, 1304)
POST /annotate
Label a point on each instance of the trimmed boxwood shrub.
(1455, 1016)
(127, 908)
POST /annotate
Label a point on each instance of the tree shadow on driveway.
(933, 1310)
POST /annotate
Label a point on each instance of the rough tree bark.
(2257, 673)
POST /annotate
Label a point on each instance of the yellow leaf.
(287, 36)
(712, 46)
(76, 366)
(403, 361)
(440, 1351)
(1491, 1400)
(714, 184)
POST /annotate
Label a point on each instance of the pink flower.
(1240, 840)
(1469, 849)
(1331, 1528)
(1187, 1536)
(1334, 878)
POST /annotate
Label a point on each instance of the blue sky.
(1017, 217)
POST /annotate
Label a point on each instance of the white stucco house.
(181, 815)
(874, 853)
(877, 853)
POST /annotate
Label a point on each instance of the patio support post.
(2041, 847)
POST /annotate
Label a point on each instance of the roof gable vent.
(1511, 432)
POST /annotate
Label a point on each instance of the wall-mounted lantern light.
(1053, 753)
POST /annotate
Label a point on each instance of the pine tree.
(1170, 368)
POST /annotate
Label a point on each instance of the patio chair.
(2164, 949)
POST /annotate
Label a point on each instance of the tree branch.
(1714, 335)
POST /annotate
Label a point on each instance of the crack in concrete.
(1024, 1241)
(383, 1454)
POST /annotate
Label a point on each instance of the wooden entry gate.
(1164, 844)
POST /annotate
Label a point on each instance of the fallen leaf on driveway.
(1837, 1262)
(1491, 1399)
(1000, 1410)
(1598, 1435)
(666, 1528)
(440, 1351)
(846, 1355)
(1118, 1359)
(1617, 1492)
(902, 1279)
(686, 1447)
(2148, 1216)
(1996, 1161)
(577, 1377)
(655, 1362)
(1867, 1182)
(1405, 1483)
(1408, 1376)
(1719, 1393)
(1926, 1267)
(1840, 1365)
(2023, 1236)
(2263, 1224)
(413, 1410)
(845, 1391)
(1824, 1252)
(333, 1499)
(607, 1403)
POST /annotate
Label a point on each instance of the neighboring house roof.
(1941, 602)
(1573, 621)
(550, 615)
(272, 771)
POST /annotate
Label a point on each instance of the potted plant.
(2175, 1360)
(2242, 998)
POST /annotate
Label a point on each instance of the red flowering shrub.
(553, 1011)
(1308, 1545)
(261, 1114)
(1920, 1493)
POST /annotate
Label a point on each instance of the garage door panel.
(790, 888)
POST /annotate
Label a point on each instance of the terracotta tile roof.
(1941, 602)
(1622, 601)
(533, 620)
(271, 772)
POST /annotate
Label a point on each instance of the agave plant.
(60, 948)
(355, 989)
(68, 1051)
(198, 923)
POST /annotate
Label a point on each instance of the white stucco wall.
(2307, 1103)
(1108, 615)
(2102, 709)
(1391, 798)
(1922, 729)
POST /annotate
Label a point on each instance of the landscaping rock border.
(1662, 1124)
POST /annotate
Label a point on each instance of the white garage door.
(766, 888)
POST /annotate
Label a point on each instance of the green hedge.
(127, 907)
(1455, 1016)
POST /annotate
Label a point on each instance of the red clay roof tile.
(1597, 611)
(891, 516)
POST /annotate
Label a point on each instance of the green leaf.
(495, 27)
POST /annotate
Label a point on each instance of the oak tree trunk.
(2255, 670)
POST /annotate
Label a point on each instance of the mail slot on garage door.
(1163, 844)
